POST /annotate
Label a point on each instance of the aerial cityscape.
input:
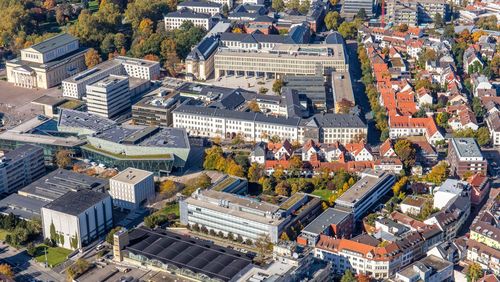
(249, 140)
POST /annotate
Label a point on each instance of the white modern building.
(450, 190)
(75, 86)
(77, 218)
(429, 269)
(364, 194)
(323, 128)
(131, 188)
(20, 167)
(203, 7)
(175, 19)
(46, 64)
(109, 96)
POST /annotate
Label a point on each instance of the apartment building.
(283, 59)
(464, 156)
(404, 126)
(202, 7)
(364, 194)
(212, 122)
(109, 97)
(131, 188)
(493, 122)
(75, 86)
(413, 12)
(46, 64)
(175, 19)
(430, 268)
(76, 219)
(21, 167)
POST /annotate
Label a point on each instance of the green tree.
(474, 272)
(483, 136)
(348, 277)
(277, 85)
(73, 242)
(477, 107)
(92, 58)
(278, 5)
(442, 119)
(406, 152)
(361, 14)
(439, 173)
(111, 233)
(332, 20)
(141, 9)
(347, 30)
(438, 20)
(53, 233)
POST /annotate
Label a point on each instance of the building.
(480, 188)
(464, 156)
(332, 222)
(75, 86)
(131, 188)
(404, 126)
(200, 61)
(213, 122)
(175, 19)
(343, 95)
(413, 12)
(283, 59)
(351, 7)
(430, 268)
(359, 257)
(239, 215)
(202, 7)
(364, 194)
(231, 184)
(20, 167)
(154, 109)
(195, 259)
(311, 86)
(448, 192)
(157, 149)
(76, 219)
(412, 205)
(46, 64)
(109, 97)
(493, 122)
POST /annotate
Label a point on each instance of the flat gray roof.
(328, 217)
(24, 207)
(363, 187)
(132, 175)
(74, 203)
(78, 119)
(59, 182)
(466, 147)
(21, 152)
(342, 87)
(53, 43)
(146, 136)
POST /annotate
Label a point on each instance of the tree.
(405, 151)
(6, 270)
(168, 52)
(284, 237)
(398, 186)
(442, 119)
(403, 27)
(477, 107)
(361, 14)
(278, 5)
(92, 58)
(141, 9)
(332, 20)
(263, 245)
(253, 106)
(255, 172)
(53, 233)
(474, 272)
(168, 188)
(348, 277)
(304, 7)
(483, 136)
(438, 20)
(277, 85)
(63, 158)
(111, 233)
(49, 4)
(283, 188)
(438, 173)
(225, 10)
(31, 249)
(347, 30)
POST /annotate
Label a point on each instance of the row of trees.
(296, 5)
(216, 160)
(379, 112)
(20, 231)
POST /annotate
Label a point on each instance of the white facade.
(83, 227)
(201, 7)
(108, 97)
(131, 188)
(176, 19)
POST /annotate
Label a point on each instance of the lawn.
(3, 233)
(55, 256)
(324, 194)
(171, 208)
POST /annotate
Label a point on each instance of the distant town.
(250, 140)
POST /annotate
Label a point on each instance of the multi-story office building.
(20, 167)
(351, 7)
(227, 213)
(109, 97)
(464, 156)
(76, 219)
(154, 110)
(131, 188)
(46, 64)
(175, 19)
(323, 128)
(75, 86)
(413, 12)
(365, 193)
(203, 7)
(283, 59)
